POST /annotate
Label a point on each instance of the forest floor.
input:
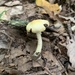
(17, 46)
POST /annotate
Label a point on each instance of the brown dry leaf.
(67, 18)
(39, 73)
(29, 10)
(16, 52)
(39, 2)
(48, 7)
(35, 64)
(1, 68)
(23, 64)
(2, 57)
(42, 11)
(52, 64)
(10, 71)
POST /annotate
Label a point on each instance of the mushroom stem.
(39, 45)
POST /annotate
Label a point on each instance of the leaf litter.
(17, 46)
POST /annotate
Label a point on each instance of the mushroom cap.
(36, 26)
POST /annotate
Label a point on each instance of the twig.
(69, 30)
(3, 32)
(44, 68)
(63, 67)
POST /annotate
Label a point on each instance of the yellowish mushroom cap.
(37, 26)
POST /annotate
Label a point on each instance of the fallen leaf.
(2, 2)
(58, 26)
(2, 57)
(71, 51)
(48, 6)
(52, 63)
(15, 52)
(73, 28)
(23, 65)
(68, 18)
(10, 11)
(3, 45)
(1, 68)
(35, 64)
(15, 10)
(12, 3)
(39, 2)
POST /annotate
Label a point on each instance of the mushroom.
(37, 26)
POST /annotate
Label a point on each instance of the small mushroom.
(37, 26)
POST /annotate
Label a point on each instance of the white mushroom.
(37, 26)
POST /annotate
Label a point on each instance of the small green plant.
(18, 22)
(1, 14)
